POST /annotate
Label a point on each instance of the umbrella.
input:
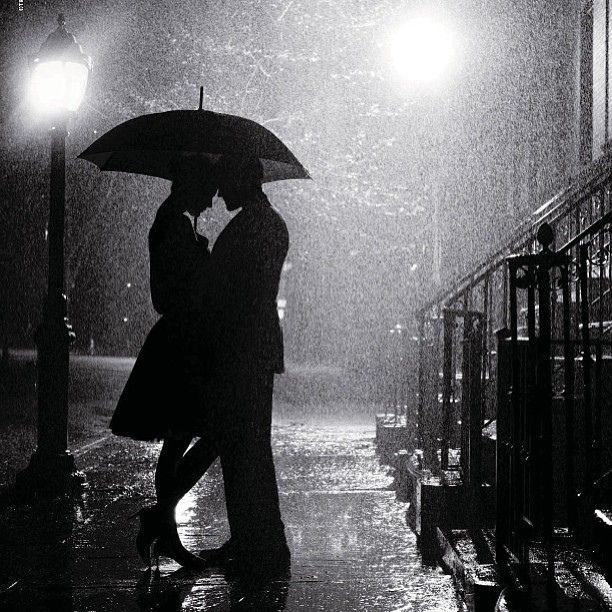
(151, 144)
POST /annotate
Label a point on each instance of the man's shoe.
(217, 557)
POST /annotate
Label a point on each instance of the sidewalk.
(351, 547)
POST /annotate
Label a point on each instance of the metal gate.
(525, 419)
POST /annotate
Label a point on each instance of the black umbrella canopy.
(152, 144)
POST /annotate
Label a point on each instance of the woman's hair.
(194, 172)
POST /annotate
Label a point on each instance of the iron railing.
(554, 409)
(485, 291)
(526, 340)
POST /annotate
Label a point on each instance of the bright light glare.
(186, 508)
(58, 86)
(421, 50)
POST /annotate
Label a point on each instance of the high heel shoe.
(169, 545)
(148, 534)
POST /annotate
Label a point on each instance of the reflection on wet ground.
(351, 548)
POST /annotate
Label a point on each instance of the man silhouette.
(246, 264)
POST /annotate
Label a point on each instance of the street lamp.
(59, 73)
(58, 80)
(421, 50)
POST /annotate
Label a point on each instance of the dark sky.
(488, 143)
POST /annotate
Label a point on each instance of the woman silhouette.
(163, 398)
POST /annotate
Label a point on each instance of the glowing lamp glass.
(58, 85)
(421, 50)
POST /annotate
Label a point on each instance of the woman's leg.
(179, 468)
(193, 465)
(170, 485)
(172, 452)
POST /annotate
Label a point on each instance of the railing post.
(486, 342)
(504, 477)
(505, 288)
(447, 386)
(597, 435)
(421, 380)
(568, 396)
(544, 390)
(474, 324)
(517, 491)
(583, 255)
(428, 397)
(466, 397)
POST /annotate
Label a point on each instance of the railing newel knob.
(545, 236)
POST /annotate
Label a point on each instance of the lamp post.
(59, 74)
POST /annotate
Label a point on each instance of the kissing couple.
(203, 380)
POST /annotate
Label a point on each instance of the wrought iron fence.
(486, 291)
(543, 369)
(554, 410)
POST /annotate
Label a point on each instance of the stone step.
(591, 574)
(566, 594)
(468, 559)
(580, 582)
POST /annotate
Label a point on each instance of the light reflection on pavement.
(350, 544)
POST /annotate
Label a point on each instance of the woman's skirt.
(165, 391)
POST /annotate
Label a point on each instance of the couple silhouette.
(206, 370)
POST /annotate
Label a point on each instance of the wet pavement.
(350, 544)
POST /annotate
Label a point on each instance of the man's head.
(194, 184)
(240, 181)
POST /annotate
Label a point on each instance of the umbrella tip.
(201, 96)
